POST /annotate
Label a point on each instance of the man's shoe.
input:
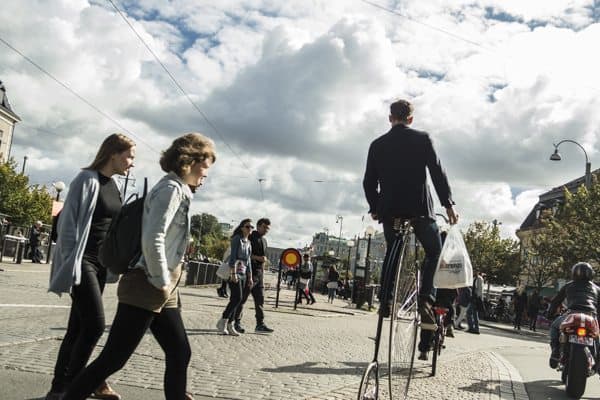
(450, 331)
(105, 392)
(473, 331)
(238, 328)
(54, 395)
(427, 317)
(222, 326)
(219, 293)
(231, 329)
(262, 328)
(423, 355)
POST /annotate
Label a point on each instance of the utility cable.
(74, 93)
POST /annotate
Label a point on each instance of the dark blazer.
(396, 165)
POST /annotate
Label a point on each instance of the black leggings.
(233, 309)
(127, 331)
(86, 324)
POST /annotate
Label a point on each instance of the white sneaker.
(222, 326)
(231, 329)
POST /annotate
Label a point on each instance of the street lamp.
(59, 186)
(339, 219)
(370, 231)
(350, 244)
(588, 166)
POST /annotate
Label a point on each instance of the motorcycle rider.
(582, 295)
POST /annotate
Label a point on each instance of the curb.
(511, 381)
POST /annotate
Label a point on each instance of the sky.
(293, 92)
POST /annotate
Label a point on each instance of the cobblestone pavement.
(316, 352)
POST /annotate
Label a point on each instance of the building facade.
(8, 119)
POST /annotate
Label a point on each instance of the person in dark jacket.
(533, 308)
(520, 304)
(332, 283)
(395, 185)
(34, 242)
(581, 294)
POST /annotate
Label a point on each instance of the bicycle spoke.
(403, 327)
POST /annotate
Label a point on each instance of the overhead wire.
(179, 86)
(74, 93)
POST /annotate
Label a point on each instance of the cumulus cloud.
(297, 90)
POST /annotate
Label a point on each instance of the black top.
(259, 248)
(34, 237)
(108, 206)
(581, 296)
(396, 164)
(333, 276)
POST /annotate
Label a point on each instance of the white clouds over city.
(298, 89)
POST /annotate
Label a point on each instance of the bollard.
(20, 251)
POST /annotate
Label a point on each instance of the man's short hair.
(401, 110)
(265, 221)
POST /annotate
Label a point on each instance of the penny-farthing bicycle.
(398, 300)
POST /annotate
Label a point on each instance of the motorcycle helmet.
(582, 271)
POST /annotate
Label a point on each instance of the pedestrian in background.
(240, 276)
(533, 308)
(93, 200)
(332, 283)
(305, 274)
(476, 304)
(258, 259)
(464, 299)
(520, 304)
(35, 242)
(148, 294)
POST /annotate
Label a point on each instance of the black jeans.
(85, 326)
(258, 294)
(127, 331)
(428, 234)
(233, 310)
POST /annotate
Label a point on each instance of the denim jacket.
(240, 251)
(165, 228)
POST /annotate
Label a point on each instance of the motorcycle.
(579, 351)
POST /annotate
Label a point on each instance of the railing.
(201, 273)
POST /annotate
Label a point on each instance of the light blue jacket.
(165, 228)
(73, 230)
(240, 251)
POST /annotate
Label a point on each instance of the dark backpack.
(122, 247)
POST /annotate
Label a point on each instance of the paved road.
(316, 352)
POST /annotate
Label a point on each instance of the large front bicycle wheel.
(404, 322)
(369, 385)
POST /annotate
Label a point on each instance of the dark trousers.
(85, 326)
(302, 293)
(258, 294)
(518, 317)
(128, 329)
(236, 290)
(428, 234)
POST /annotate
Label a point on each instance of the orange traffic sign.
(291, 258)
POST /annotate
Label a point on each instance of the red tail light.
(581, 332)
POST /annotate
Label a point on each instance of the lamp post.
(588, 166)
(24, 162)
(350, 244)
(59, 186)
(339, 219)
(369, 231)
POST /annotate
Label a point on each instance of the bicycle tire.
(436, 350)
(369, 384)
(404, 321)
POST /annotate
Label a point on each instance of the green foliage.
(497, 258)
(25, 204)
(575, 229)
(208, 236)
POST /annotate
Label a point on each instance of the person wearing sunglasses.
(240, 276)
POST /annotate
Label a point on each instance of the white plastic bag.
(223, 271)
(454, 269)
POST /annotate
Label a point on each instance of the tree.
(209, 239)
(22, 202)
(497, 258)
(542, 260)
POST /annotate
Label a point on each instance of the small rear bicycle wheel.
(404, 322)
(369, 384)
